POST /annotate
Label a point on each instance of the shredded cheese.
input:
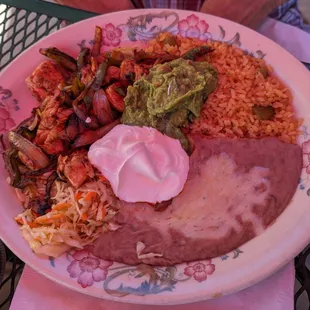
(140, 247)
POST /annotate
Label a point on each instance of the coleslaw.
(76, 219)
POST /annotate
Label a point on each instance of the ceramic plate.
(83, 272)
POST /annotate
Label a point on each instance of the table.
(38, 19)
(274, 293)
(2, 260)
(32, 20)
(10, 267)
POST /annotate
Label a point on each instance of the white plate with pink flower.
(80, 269)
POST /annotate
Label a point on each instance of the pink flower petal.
(4, 114)
(206, 261)
(308, 169)
(192, 20)
(193, 32)
(305, 160)
(80, 254)
(199, 267)
(86, 279)
(99, 274)
(200, 276)
(183, 25)
(182, 33)
(203, 26)
(89, 264)
(116, 42)
(9, 123)
(110, 27)
(111, 35)
(118, 32)
(105, 264)
(106, 42)
(104, 33)
(306, 147)
(189, 271)
(74, 269)
(209, 269)
(2, 124)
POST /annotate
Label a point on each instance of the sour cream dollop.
(141, 163)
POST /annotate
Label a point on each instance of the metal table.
(13, 266)
(24, 22)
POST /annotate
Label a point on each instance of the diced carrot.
(40, 220)
(34, 214)
(103, 178)
(90, 196)
(84, 216)
(77, 195)
(21, 222)
(63, 205)
(48, 220)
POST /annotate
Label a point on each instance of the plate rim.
(164, 299)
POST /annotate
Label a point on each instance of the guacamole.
(170, 96)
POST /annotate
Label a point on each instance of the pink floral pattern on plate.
(6, 122)
(199, 270)
(87, 268)
(111, 35)
(194, 28)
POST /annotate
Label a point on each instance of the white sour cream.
(142, 164)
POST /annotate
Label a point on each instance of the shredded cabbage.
(77, 218)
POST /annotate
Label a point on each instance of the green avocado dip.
(170, 97)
